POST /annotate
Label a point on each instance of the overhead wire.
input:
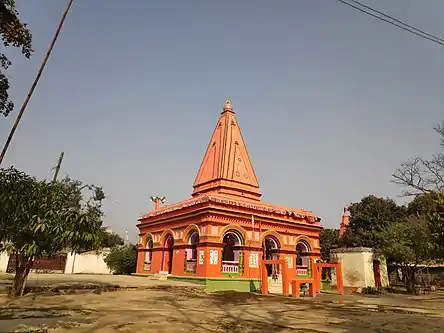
(391, 20)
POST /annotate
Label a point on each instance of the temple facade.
(220, 235)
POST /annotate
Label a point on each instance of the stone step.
(163, 276)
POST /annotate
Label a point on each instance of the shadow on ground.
(167, 309)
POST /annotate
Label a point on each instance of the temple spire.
(226, 168)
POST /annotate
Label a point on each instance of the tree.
(409, 244)
(110, 239)
(16, 34)
(368, 217)
(424, 178)
(329, 239)
(123, 259)
(39, 218)
(420, 175)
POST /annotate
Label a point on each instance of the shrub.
(122, 259)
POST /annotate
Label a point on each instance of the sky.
(330, 101)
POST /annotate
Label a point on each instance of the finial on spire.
(227, 106)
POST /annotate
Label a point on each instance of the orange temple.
(220, 236)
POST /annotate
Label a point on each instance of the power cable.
(391, 20)
(396, 20)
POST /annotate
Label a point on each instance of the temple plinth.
(221, 234)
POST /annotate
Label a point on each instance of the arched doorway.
(191, 254)
(231, 252)
(148, 254)
(302, 258)
(168, 254)
(270, 249)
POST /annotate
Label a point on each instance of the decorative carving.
(253, 260)
(289, 261)
(214, 257)
(201, 257)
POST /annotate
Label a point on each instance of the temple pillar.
(140, 260)
(179, 257)
(209, 259)
(156, 261)
(252, 259)
(290, 260)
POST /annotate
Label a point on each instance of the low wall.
(87, 263)
(4, 259)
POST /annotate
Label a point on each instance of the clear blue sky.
(330, 101)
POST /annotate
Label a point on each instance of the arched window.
(148, 254)
(231, 252)
(302, 251)
(230, 240)
(168, 253)
(193, 241)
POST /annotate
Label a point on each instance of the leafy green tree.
(368, 217)
(409, 244)
(437, 224)
(16, 34)
(39, 218)
(123, 259)
(110, 239)
(329, 238)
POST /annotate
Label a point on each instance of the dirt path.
(168, 309)
(122, 280)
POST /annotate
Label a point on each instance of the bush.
(371, 291)
(123, 259)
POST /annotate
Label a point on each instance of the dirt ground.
(165, 307)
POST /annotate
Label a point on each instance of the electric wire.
(393, 21)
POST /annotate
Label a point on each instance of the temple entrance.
(270, 255)
(168, 254)
(191, 253)
(281, 288)
(270, 251)
(231, 252)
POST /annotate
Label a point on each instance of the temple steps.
(162, 276)
(275, 286)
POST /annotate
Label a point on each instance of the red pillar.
(339, 279)
(285, 286)
(264, 278)
(140, 262)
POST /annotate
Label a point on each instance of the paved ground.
(168, 308)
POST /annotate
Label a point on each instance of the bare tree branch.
(420, 175)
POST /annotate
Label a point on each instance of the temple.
(220, 235)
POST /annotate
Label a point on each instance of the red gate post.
(264, 278)
(264, 275)
(339, 279)
(284, 278)
(317, 273)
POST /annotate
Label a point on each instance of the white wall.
(87, 263)
(4, 259)
(357, 267)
